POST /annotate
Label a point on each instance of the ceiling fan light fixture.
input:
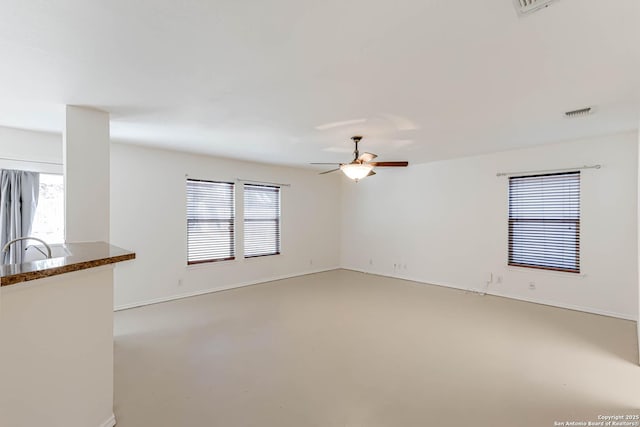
(356, 171)
(361, 166)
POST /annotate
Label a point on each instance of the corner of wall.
(110, 422)
(638, 311)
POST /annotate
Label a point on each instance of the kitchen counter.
(56, 331)
(82, 256)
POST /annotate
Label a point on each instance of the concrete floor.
(347, 349)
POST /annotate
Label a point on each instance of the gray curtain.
(18, 200)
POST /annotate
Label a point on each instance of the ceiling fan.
(362, 165)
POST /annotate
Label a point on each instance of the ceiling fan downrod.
(356, 153)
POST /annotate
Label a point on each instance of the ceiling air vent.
(526, 7)
(579, 113)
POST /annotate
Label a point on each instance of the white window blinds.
(210, 221)
(261, 220)
(544, 221)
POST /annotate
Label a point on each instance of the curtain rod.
(30, 161)
(548, 170)
(263, 182)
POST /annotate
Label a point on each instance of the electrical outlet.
(532, 285)
(310, 262)
(499, 279)
(370, 261)
(179, 282)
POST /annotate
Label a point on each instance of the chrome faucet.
(37, 248)
(48, 255)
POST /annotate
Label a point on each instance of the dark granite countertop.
(82, 256)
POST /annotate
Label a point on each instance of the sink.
(57, 251)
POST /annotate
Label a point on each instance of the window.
(544, 221)
(210, 221)
(261, 220)
(48, 222)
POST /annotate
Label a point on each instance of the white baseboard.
(591, 310)
(217, 289)
(110, 422)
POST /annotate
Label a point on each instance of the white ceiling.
(289, 81)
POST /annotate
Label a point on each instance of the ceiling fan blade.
(371, 173)
(367, 157)
(325, 163)
(389, 164)
(332, 170)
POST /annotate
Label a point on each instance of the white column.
(86, 173)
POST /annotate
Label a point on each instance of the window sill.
(229, 262)
(210, 263)
(563, 274)
(252, 258)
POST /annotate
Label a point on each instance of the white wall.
(638, 281)
(400, 216)
(148, 216)
(28, 148)
(445, 223)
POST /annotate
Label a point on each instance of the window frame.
(575, 222)
(231, 222)
(277, 220)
